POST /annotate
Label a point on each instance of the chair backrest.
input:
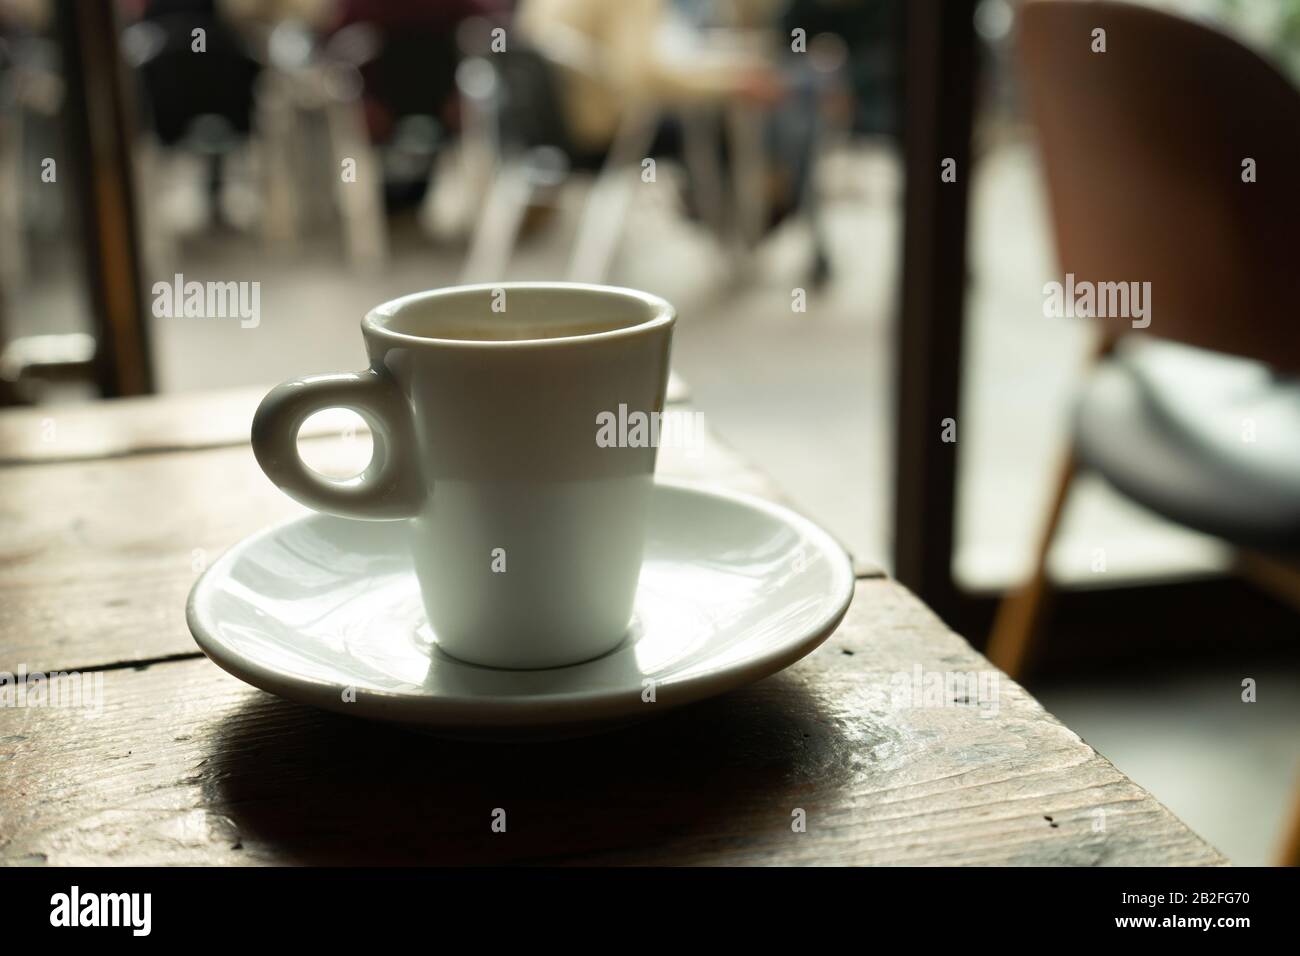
(180, 85)
(414, 72)
(529, 111)
(1144, 146)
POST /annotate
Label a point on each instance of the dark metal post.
(98, 134)
(940, 73)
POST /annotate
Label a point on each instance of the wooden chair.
(1145, 147)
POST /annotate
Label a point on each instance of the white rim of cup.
(660, 313)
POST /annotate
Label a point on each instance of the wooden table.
(110, 511)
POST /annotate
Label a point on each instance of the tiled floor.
(807, 395)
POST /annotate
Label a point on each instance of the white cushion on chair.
(1209, 441)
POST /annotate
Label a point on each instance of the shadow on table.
(305, 786)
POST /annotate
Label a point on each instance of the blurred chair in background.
(408, 80)
(197, 77)
(318, 164)
(1144, 148)
(518, 148)
(602, 88)
(31, 99)
(376, 86)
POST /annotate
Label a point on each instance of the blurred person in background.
(871, 34)
(641, 51)
(618, 57)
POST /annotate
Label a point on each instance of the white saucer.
(733, 589)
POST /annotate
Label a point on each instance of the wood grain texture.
(100, 543)
(154, 423)
(187, 765)
(97, 557)
(50, 433)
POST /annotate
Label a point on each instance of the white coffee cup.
(484, 405)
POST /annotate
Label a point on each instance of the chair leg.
(604, 215)
(700, 149)
(1277, 577)
(748, 176)
(1021, 612)
(360, 203)
(1291, 841)
(492, 245)
(278, 120)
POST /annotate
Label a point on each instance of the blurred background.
(775, 169)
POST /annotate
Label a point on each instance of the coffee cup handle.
(389, 488)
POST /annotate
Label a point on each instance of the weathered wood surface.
(132, 426)
(188, 765)
(50, 433)
(97, 556)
